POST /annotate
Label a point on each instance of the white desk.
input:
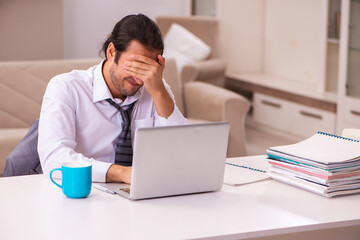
(31, 207)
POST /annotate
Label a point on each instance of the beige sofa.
(22, 85)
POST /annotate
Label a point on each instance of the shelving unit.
(295, 87)
(278, 54)
(348, 107)
(333, 40)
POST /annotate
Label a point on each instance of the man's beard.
(119, 84)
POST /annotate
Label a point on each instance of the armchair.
(211, 70)
(204, 102)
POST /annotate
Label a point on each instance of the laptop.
(175, 160)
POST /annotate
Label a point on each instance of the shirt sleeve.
(57, 133)
(176, 117)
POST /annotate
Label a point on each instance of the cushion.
(9, 138)
(184, 46)
(24, 159)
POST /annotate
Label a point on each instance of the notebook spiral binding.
(336, 136)
(250, 168)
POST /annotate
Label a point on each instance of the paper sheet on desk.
(237, 176)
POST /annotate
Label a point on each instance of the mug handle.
(56, 169)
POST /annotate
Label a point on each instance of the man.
(82, 112)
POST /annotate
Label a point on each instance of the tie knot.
(114, 104)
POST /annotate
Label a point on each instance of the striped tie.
(123, 150)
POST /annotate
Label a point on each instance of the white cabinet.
(307, 48)
(289, 117)
(306, 121)
(351, 113)
(272, 112)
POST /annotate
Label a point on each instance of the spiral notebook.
(245, 170)
(322, 150)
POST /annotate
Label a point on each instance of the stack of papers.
(325, 164)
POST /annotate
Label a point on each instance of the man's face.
(125, 84)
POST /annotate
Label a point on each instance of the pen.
(101, 188)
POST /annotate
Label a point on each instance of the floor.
(259, 140)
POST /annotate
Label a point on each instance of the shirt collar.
(101, 91)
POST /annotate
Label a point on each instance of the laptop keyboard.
(127, 190)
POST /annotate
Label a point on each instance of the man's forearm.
(164, 104)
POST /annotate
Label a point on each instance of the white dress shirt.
(76, 123)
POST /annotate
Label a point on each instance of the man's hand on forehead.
(143, 59)
(149, 71)
(146, 70)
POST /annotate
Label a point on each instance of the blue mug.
(76, 179)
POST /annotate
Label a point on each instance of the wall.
(30, 30)
(55, 29)
(241, 34)
(86, 23)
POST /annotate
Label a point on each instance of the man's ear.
(110, 52)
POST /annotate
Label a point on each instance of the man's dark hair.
(134, 27)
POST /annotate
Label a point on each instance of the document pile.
(325, 164)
